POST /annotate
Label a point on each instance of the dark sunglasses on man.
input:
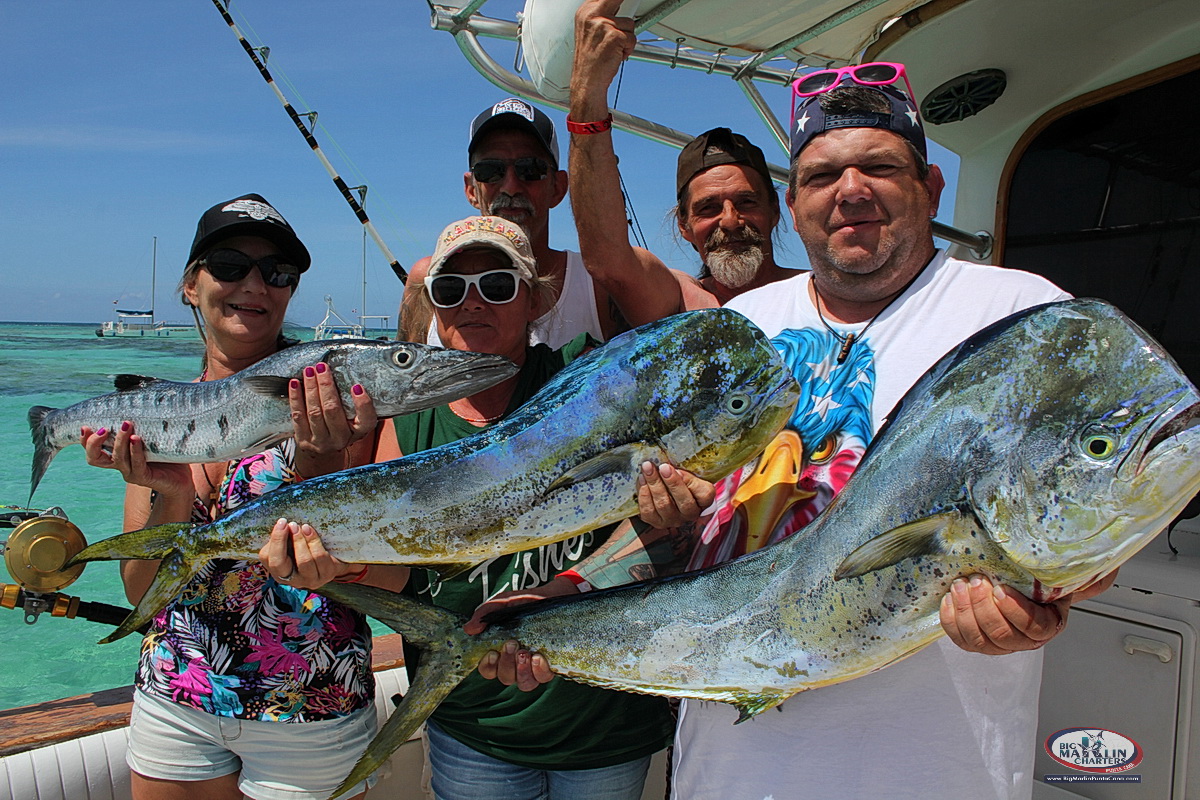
(528, 169)
(496, 286)
(231, 266)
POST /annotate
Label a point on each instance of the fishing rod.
(347, 191)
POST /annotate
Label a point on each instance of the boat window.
(1105, 202)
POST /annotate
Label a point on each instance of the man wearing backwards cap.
(880, 306)
(514, 173)
(728, 207)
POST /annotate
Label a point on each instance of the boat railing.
(467, 25)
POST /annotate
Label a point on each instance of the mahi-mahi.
(1042, 452)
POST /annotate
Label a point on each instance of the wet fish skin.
(187, 422)
(990, 464)
(703, 390)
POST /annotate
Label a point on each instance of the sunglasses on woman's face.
(496, 286)
(231, 266)
(491, 170)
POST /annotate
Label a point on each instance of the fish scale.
(1030, 502)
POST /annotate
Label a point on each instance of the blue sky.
(124, 121)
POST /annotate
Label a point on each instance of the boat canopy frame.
(467, 25)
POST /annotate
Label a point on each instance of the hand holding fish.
(295, 555)
(669, 497)
(998, 620)
(128, 456)
(321, 427)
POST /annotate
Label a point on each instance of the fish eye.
(1099, 445)
(737, 403)
(402, 358)
(824, 451)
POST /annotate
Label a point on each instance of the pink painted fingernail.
(125, 426)
(356, 389)
(309, 372)
(294, 384)
(102, 432)
(321, 368)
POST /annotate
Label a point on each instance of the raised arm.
(640, 284)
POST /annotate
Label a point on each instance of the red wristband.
(577, 579)
(589, 127)
(355, 578)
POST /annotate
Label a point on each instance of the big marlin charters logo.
(1101, 755)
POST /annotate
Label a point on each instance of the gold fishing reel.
(38, 549)
(36, 554)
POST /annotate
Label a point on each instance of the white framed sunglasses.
(497, 286)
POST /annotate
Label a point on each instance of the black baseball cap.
(248, 215)
(715, 147)
(513, 112)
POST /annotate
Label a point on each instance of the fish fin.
(267, 385)
(623, 460)
(753, 705)
(43, 451)
(918, 538)
(420, 624)
(174, 572)
(441, 668)
(125, 382)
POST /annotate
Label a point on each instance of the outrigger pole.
(346, 191)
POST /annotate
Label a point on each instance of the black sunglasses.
(496, 286)
(490, 170)
(233, 265)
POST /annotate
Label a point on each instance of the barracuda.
(247, 412)
(703, 390)
(1042, 452)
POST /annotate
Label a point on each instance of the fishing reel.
(36, 554)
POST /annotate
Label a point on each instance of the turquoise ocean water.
(57, 365)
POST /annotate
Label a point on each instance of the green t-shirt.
(562, 724)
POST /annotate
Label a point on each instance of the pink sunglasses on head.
(875, 73)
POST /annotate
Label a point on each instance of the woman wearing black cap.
(241, 651)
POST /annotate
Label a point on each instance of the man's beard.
(734, 267)
(503, 202)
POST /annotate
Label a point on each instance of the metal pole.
(312, 143)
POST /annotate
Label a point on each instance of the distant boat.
(332, 326)
(137, 322)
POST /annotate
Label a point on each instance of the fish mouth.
(1166, 429)
(467, 374)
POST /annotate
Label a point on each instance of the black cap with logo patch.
(513, 112)
(248, 215)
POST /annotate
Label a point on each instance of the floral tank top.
(236, 643)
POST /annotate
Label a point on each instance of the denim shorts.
(277, 760)
(463, 773)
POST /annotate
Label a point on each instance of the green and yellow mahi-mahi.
(1042, 452)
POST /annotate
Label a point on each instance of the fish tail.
(442, 668)
(148, 543)
(436, 678)
(420, 624)
(176, 569)
(43, 450)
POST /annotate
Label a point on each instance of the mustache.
(503, 201)
(720, 238)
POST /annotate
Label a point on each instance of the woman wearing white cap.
(487, 740)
